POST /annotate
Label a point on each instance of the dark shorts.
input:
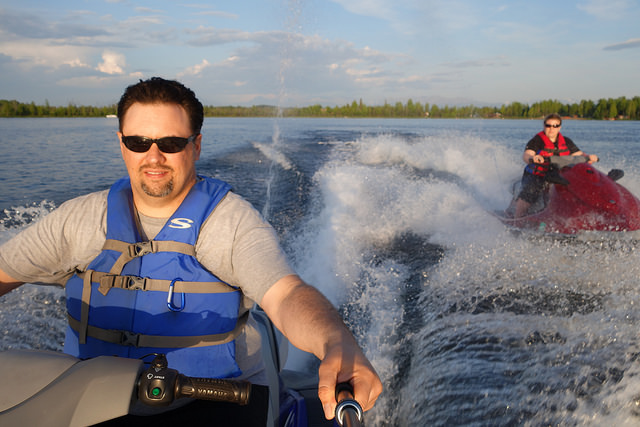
(532, 186)
(206, 413)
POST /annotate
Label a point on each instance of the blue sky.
(330, 52)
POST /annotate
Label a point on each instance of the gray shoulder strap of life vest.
(129, 251)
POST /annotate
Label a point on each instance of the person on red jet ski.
(548, 142)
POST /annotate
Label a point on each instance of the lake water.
(466, 322)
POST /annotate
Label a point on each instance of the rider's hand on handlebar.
(538, 159)
(345, 362)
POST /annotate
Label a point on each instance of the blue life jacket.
(139, 297)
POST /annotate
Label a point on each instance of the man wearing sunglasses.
(168, 261)
(548, 142)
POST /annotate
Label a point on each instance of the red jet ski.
(578, 197)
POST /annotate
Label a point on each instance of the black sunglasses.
(547, 125)
(168, 144)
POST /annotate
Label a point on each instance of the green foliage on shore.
(18, 109)
(619, 109)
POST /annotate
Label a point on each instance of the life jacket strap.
(129, 251)
(84, 307)
(128, 338)
(108, 281)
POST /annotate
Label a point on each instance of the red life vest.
(549, 149)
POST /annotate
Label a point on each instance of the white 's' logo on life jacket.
(181, 223)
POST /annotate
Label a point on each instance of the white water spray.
(274, 153)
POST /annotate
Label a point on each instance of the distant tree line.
(618, 109)
(19, 109)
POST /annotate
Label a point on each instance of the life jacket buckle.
(140, 249)
(136, 283)
(170, 303)
(129, 338)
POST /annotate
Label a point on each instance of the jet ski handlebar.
(75, 392)
(348, 412)
(564, 161)
(160, 386)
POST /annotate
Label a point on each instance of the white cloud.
(330, 66)
(606, 9)
(218, 14)
(375, 8)
(35, 53)
(629, 44)
(196, 69)
(209, 36)
(76, 63)
(207, 10)
(414, 16)
(112, 63)
(84, 81)
(142, 9)
(140, 21)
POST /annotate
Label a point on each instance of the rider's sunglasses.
(547, 125)
(168, 144)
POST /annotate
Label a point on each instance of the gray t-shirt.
(235, 243)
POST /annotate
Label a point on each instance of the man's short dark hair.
(157, 90)
(554, 116)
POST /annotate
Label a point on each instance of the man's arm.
(312, 324)
(592, 157)
(533, 147)
(528, 156)
(7, 283)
